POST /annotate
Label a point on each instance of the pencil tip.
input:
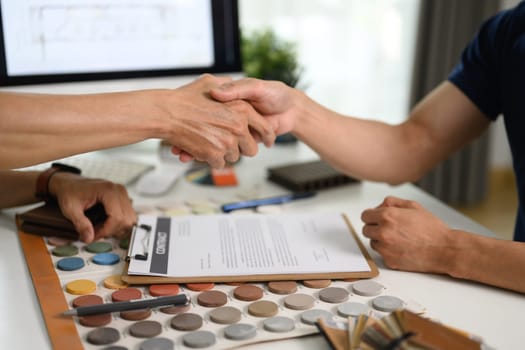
(69, 313)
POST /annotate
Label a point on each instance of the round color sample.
(317, 284)
(212, 298)
(135, 315)
(126, 294)
(95, 320)
(241, 331)
(58, 241)
(282, 287)
(279, 324)
(263, 308)
(157, 344)
(353, 309)
(173, 310)
(103, 336)
(114, 282)
(225, 315)
(70, 264)
(65, 250)
(248, 292)
(199, 339)
(115, 347)
(334, 295)
(81, 287)
(299, 301)
(124, 243)
(99, 247)
(367, 288)
(106, 259)
(145, 329)
(186, 322)
(199, 287)
(87, 300)
(158, 290)
(387, 303)
(311, 316)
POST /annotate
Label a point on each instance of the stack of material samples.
(401, 329)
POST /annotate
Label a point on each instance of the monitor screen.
(47, 41)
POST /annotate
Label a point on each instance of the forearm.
(17, 188)
(365, 149)
(36, 128)
(487, 260)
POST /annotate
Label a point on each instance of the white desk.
(497, 315)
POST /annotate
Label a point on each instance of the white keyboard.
(121, 171)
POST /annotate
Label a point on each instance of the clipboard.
(372, 272)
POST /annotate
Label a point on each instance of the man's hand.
(407, 236)
(76, 194)
(211, 131)
(272, 99)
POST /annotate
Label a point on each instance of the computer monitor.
(50, 41)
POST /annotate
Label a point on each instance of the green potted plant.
(266, 56)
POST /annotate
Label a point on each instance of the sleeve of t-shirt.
(477, 73)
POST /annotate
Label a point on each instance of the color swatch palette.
(219, 316)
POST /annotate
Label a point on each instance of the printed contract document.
(239, 245)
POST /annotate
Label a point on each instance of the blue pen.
(253, 203)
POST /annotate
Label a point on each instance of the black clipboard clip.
(145, 243)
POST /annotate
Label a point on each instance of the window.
(357, 55)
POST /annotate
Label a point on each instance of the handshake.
(215, 119)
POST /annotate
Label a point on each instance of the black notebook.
(308, 176)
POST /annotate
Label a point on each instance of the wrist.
(162, 121)
(308, 116)
(44, 189)
(455, 253)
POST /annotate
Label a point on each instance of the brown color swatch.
(282, 287)
(186, 322)
(158, 290)
(126, 294)
(317, 284)
(212, 298)
(199, 287)
(248, 292)
(299, 301)
(95, 320)
(145, 329)
(225, 315)
(263, 308)
(136, 315)
(173, 310)
(87, 300)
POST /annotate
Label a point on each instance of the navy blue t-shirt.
(492, 74)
